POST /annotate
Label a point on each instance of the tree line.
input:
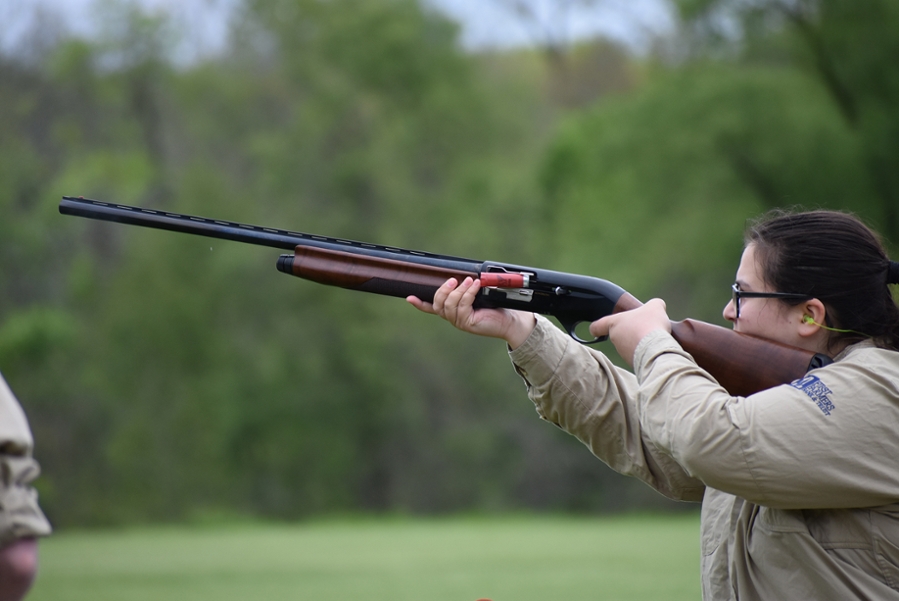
(169, 377)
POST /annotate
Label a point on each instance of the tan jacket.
(20, 515)
(799, 484)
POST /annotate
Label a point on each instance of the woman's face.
(765, 317)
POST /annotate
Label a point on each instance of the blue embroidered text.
(817, 391)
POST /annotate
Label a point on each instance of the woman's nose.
(730, 312)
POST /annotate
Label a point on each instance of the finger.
(471, 293)
(421, 305)
(467, 292)
(602, 326)
(660, 303)
(451, 305)
(442, 293)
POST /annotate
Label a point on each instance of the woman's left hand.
(628, 328)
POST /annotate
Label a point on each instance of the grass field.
(641, 558)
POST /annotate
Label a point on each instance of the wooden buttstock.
(741, 363)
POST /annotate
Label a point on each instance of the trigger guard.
(594, 341)
(571, 327)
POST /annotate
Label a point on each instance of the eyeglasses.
(738, 294)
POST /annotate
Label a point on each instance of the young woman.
(799, 484)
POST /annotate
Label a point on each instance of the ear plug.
(811, 320)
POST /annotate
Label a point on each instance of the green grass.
(460, 559)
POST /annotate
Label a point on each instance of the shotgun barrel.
(250, 234)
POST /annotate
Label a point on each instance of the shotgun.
(741, 363)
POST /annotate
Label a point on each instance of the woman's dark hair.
(834, 257)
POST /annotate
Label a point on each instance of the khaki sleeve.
(826, 441)
(15, 434)
(20, 514)
(582, 392)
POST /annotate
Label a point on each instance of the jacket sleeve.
(828, 440)
(20, 514)
(583, 393)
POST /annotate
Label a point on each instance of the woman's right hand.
(454, 303)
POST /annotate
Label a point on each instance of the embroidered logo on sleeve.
(817, 391)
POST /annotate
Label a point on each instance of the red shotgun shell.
(502, 280)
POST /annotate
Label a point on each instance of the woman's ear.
(811, 320)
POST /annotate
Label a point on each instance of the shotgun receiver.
(741, 363)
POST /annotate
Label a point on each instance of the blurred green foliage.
(169, 376)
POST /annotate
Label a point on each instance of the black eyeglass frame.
(737, 294)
